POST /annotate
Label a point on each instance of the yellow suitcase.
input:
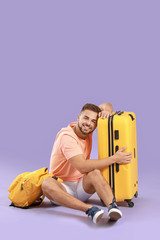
(115, 132)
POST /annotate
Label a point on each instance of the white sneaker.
(95, 213)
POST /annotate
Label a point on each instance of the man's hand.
(106, 110)
(121, 157)
(104, 114)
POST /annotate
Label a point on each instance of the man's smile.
(86, 127)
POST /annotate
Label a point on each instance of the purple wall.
(56, 56)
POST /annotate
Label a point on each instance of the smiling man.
(70, 161)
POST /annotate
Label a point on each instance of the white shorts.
(76, 190)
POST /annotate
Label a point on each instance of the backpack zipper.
(22, 184)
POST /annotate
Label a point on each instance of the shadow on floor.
(63, 212)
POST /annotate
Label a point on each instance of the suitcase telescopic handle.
(120, 112)
(131, 116)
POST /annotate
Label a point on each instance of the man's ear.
(78, 117)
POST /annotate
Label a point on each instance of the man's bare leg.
(55, 191)
(95, 182)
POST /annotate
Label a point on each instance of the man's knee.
(96, 173)
(47, 184)
(96, 177)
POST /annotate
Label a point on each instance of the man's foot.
(113, 212)
(95, 213)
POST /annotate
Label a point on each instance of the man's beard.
(80, 128)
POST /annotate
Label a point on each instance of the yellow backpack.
(25, 190)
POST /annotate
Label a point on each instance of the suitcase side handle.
(117, 165)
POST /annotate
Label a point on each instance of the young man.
(70, 161)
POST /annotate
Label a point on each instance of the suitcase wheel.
(130, 203)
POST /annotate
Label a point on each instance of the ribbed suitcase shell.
(124, 182)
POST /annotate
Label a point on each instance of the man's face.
(87, 121)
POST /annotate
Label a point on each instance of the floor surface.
(48, 221)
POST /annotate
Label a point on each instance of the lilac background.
(54, 57)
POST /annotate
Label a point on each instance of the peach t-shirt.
(67, 145)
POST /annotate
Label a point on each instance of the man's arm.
(85, 166)
(106, 110)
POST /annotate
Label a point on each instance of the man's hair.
(92, 107)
